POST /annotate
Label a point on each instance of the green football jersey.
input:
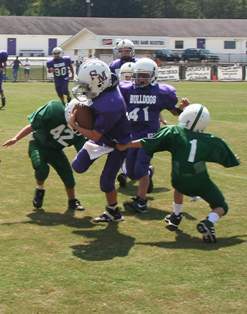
(190, 151)
(50, 128)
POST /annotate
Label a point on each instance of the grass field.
(53, 263)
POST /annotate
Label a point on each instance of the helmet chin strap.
(197, 118)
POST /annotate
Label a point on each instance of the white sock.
(40, 187)
(113, 206)
(213, 217)
(177, 208)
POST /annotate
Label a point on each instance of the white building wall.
(215, 44)
(87, 40)
(30, 41)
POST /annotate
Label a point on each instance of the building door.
(11, 46)
(201, 43)
(52, 43)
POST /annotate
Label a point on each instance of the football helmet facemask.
(145, 72)
(57, 52)
(126, 71)
(125, 49)
(194, 117)
(94, 76)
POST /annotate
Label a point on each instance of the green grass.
(52, 263)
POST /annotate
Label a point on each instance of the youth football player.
(190, 149)
(3, 60)
(50, 135)
(145, 99)
(63, 71)
(126, 53)
(110, 126)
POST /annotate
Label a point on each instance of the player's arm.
(90, 134)
(133, 144)
(50, 70)
(177, 110)
(71, 68)
(22, 133)
(162, 120)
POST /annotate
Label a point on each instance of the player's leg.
(107, 184)
(66, 90)
(151, 184)
(82, 161)
(140, 168)
(59, 89)
(214, 197)
(122, 177)
(59, 161)
(41, 169)
(3, 100)
(173, 220)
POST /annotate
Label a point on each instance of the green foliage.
(129, 8)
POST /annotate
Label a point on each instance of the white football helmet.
(194, 117)
(125, 49)
(145, 72)
(94, 76)
(57, 52)
(126, 71)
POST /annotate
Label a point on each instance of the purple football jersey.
(109, 110)
(61, 67)
(116, 64)
(145, 104)
(3, 59)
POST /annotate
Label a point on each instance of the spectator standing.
(27, 69)
(15, 68)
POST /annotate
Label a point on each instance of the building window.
(76, 52)
(229, 44)
(201, 43)
(179, 44)
(52, 43)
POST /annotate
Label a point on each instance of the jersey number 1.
(192, 151)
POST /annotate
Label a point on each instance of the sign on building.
(169, 72)
(230, 73)
(198, 73)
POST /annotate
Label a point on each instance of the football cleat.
(195, 198)
(75, 204)
(110, 215)
(122, 180)
(206, 227)
(173, 221)
(137, 204)
(38, 198)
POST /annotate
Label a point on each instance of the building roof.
(46, 25)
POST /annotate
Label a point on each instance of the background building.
(86, 36)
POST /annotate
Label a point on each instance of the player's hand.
(10, 142)
(163, 122)
(184, 103)
(121, 147)
(72, 119)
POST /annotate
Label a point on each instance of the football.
(84, 117)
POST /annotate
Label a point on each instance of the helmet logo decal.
(197, 118)
(95, 75)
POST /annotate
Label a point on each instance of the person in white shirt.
(27, 68)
